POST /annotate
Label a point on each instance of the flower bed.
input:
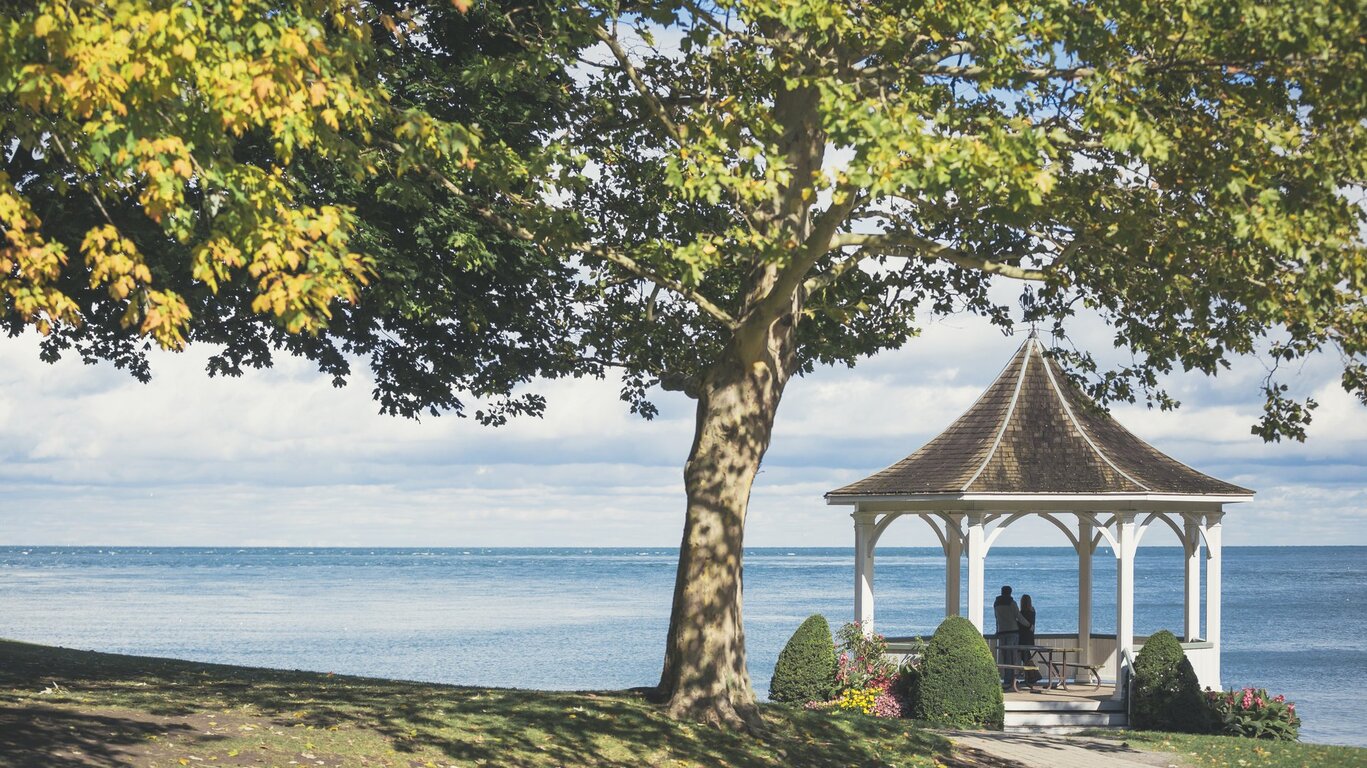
(865, 681)
(1251, 712)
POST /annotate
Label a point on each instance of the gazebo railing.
(1101, 651)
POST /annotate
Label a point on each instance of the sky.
(89, 456)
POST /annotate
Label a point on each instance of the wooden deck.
(1076, 693)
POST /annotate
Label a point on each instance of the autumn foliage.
(143, 110)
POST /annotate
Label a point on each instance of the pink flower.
(887, 705)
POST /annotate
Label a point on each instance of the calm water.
(1295, 617)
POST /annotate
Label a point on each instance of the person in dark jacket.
(1027, 637)
(1008, 633)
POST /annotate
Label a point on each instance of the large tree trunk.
(705, 677)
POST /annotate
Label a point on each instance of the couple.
(1015, 626)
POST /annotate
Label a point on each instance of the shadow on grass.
(497, 726)
(58, 738)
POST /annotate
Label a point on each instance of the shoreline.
(170, 708)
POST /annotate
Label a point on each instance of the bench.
(1021, 667)
(1093, 669)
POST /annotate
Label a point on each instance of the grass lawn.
(61, 708)
(1205, 751)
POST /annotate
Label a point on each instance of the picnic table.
(1055, 661)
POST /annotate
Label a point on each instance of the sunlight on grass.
(1239, 752)
(62, 707)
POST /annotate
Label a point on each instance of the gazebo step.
(1046, 721)
(1051, 730)
(1083, 705)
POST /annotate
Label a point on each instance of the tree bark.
(705, 678)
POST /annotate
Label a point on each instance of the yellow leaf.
(42, 25)
(461, 5)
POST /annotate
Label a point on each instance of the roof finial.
(1028, 313)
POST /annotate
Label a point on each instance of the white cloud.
(280, 457)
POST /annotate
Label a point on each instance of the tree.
(792, 183)
(743, 191)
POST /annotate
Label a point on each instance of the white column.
(863, 569)
(1192, 541)
(977, 556)
(1213, 545)
(1124, 589)
(953, 551)
(1084, 589)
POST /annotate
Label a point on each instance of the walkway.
(991, 749)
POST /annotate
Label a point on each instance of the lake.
(1294, 617)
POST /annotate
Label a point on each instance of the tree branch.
(930, 249)
(974, 72)
(826, 279)
(707, 18)
(1028, 73)
(614, 256)
(818, 243)
(652, 100)
(629, 264)
(957, 48)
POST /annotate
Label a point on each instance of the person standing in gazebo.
(1027, 638)
(1008, 636)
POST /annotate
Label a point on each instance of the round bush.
(958, 684)
(806, 668)
(1167, 695)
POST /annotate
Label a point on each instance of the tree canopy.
(709, 197)
(1190, 172)
(273, 175)
(121, 124)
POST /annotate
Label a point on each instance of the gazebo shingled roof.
(1034, 432)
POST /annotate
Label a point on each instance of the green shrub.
(907, 688)
(1167, 695)
(806, 668)
(958, 682)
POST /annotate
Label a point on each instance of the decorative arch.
(1200, 524)
(941, 532)
(997, 531)
(881, 526)
(1103, 531)
(1144, 527)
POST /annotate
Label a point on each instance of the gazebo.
(1033, 445)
